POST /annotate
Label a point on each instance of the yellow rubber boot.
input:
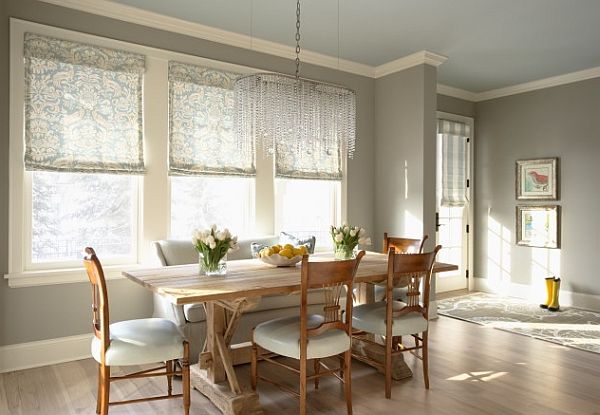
(554, 306)
(549, 284)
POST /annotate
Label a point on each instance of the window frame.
(154, 191)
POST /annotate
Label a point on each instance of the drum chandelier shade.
(311, 119)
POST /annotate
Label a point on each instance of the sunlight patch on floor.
(484, 376)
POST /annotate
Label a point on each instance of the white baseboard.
(537, 293)
(44, 352)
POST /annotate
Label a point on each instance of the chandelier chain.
(297, 39)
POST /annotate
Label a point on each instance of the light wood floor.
(474, 370)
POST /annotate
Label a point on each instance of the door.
(453, 190)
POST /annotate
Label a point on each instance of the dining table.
(225, 299)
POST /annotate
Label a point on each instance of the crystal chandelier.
(304, 115)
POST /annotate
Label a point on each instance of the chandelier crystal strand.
(312, 118)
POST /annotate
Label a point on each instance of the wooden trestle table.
(225, 299)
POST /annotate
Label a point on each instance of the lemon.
(288, 253)
(276, 248)
(297, 251)
(303, 250)
(288, 246)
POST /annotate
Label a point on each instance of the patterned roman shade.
(83, 107)
(454, 136)
(201, 133)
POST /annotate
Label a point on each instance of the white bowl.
(281, 261)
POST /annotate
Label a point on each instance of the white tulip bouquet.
(346, 238)
(212, 245)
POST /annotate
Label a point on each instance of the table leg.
(229, 397)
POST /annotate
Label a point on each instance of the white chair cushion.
(282, 336)
(371, 318)
(138, 342)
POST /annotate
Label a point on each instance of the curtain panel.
(454, 136)
(83, 107)
(202, 139)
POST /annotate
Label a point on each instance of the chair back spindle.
(334, 278)
(413, 271)
(100, 316)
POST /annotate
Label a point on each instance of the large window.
(83, 144)
(213, 176)
(115, 145)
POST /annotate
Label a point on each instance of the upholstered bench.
(191, 318)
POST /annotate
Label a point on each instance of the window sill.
(62, 276)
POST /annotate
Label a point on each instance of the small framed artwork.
(538, 226)
(537, 179)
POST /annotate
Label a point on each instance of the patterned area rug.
(569, 327)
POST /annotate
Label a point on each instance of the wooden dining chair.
(393, 319)
(312, 336)
(131, 343)
(403, 245)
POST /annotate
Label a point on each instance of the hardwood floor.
(473, 370)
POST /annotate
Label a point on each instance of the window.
(115, 145)
(83, 141)
(307, 207)
(68, 214)
(198, 201)
(212, 174)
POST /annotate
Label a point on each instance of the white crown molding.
(456, 92)
(135, 15)
(44, 352)
(540, 84)
(418, 58)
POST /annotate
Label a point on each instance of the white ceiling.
(490, 44)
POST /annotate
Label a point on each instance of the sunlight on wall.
(499, 241)
(413, 226)
(544, 263)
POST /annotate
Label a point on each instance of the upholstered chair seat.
(371, 318)
(139, 342)
(282, 336)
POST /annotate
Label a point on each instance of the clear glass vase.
(211, 265)
(343, 252)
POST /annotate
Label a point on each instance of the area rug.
(570, 327)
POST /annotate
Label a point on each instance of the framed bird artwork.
(537, 179)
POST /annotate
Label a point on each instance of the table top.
(182, 284)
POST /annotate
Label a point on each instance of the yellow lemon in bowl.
(288, 253)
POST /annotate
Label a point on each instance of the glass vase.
(211, 265)
(343, 252)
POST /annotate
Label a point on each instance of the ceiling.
(490, 44)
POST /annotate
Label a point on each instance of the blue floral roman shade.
(454, 136)
(83, 107)
(322, 163)
(202, 138)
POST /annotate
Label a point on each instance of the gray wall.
(555, 122)
(405, 105)
(28, 314)
(456, 106)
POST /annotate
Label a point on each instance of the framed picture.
(537, 179)
(538, 226)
